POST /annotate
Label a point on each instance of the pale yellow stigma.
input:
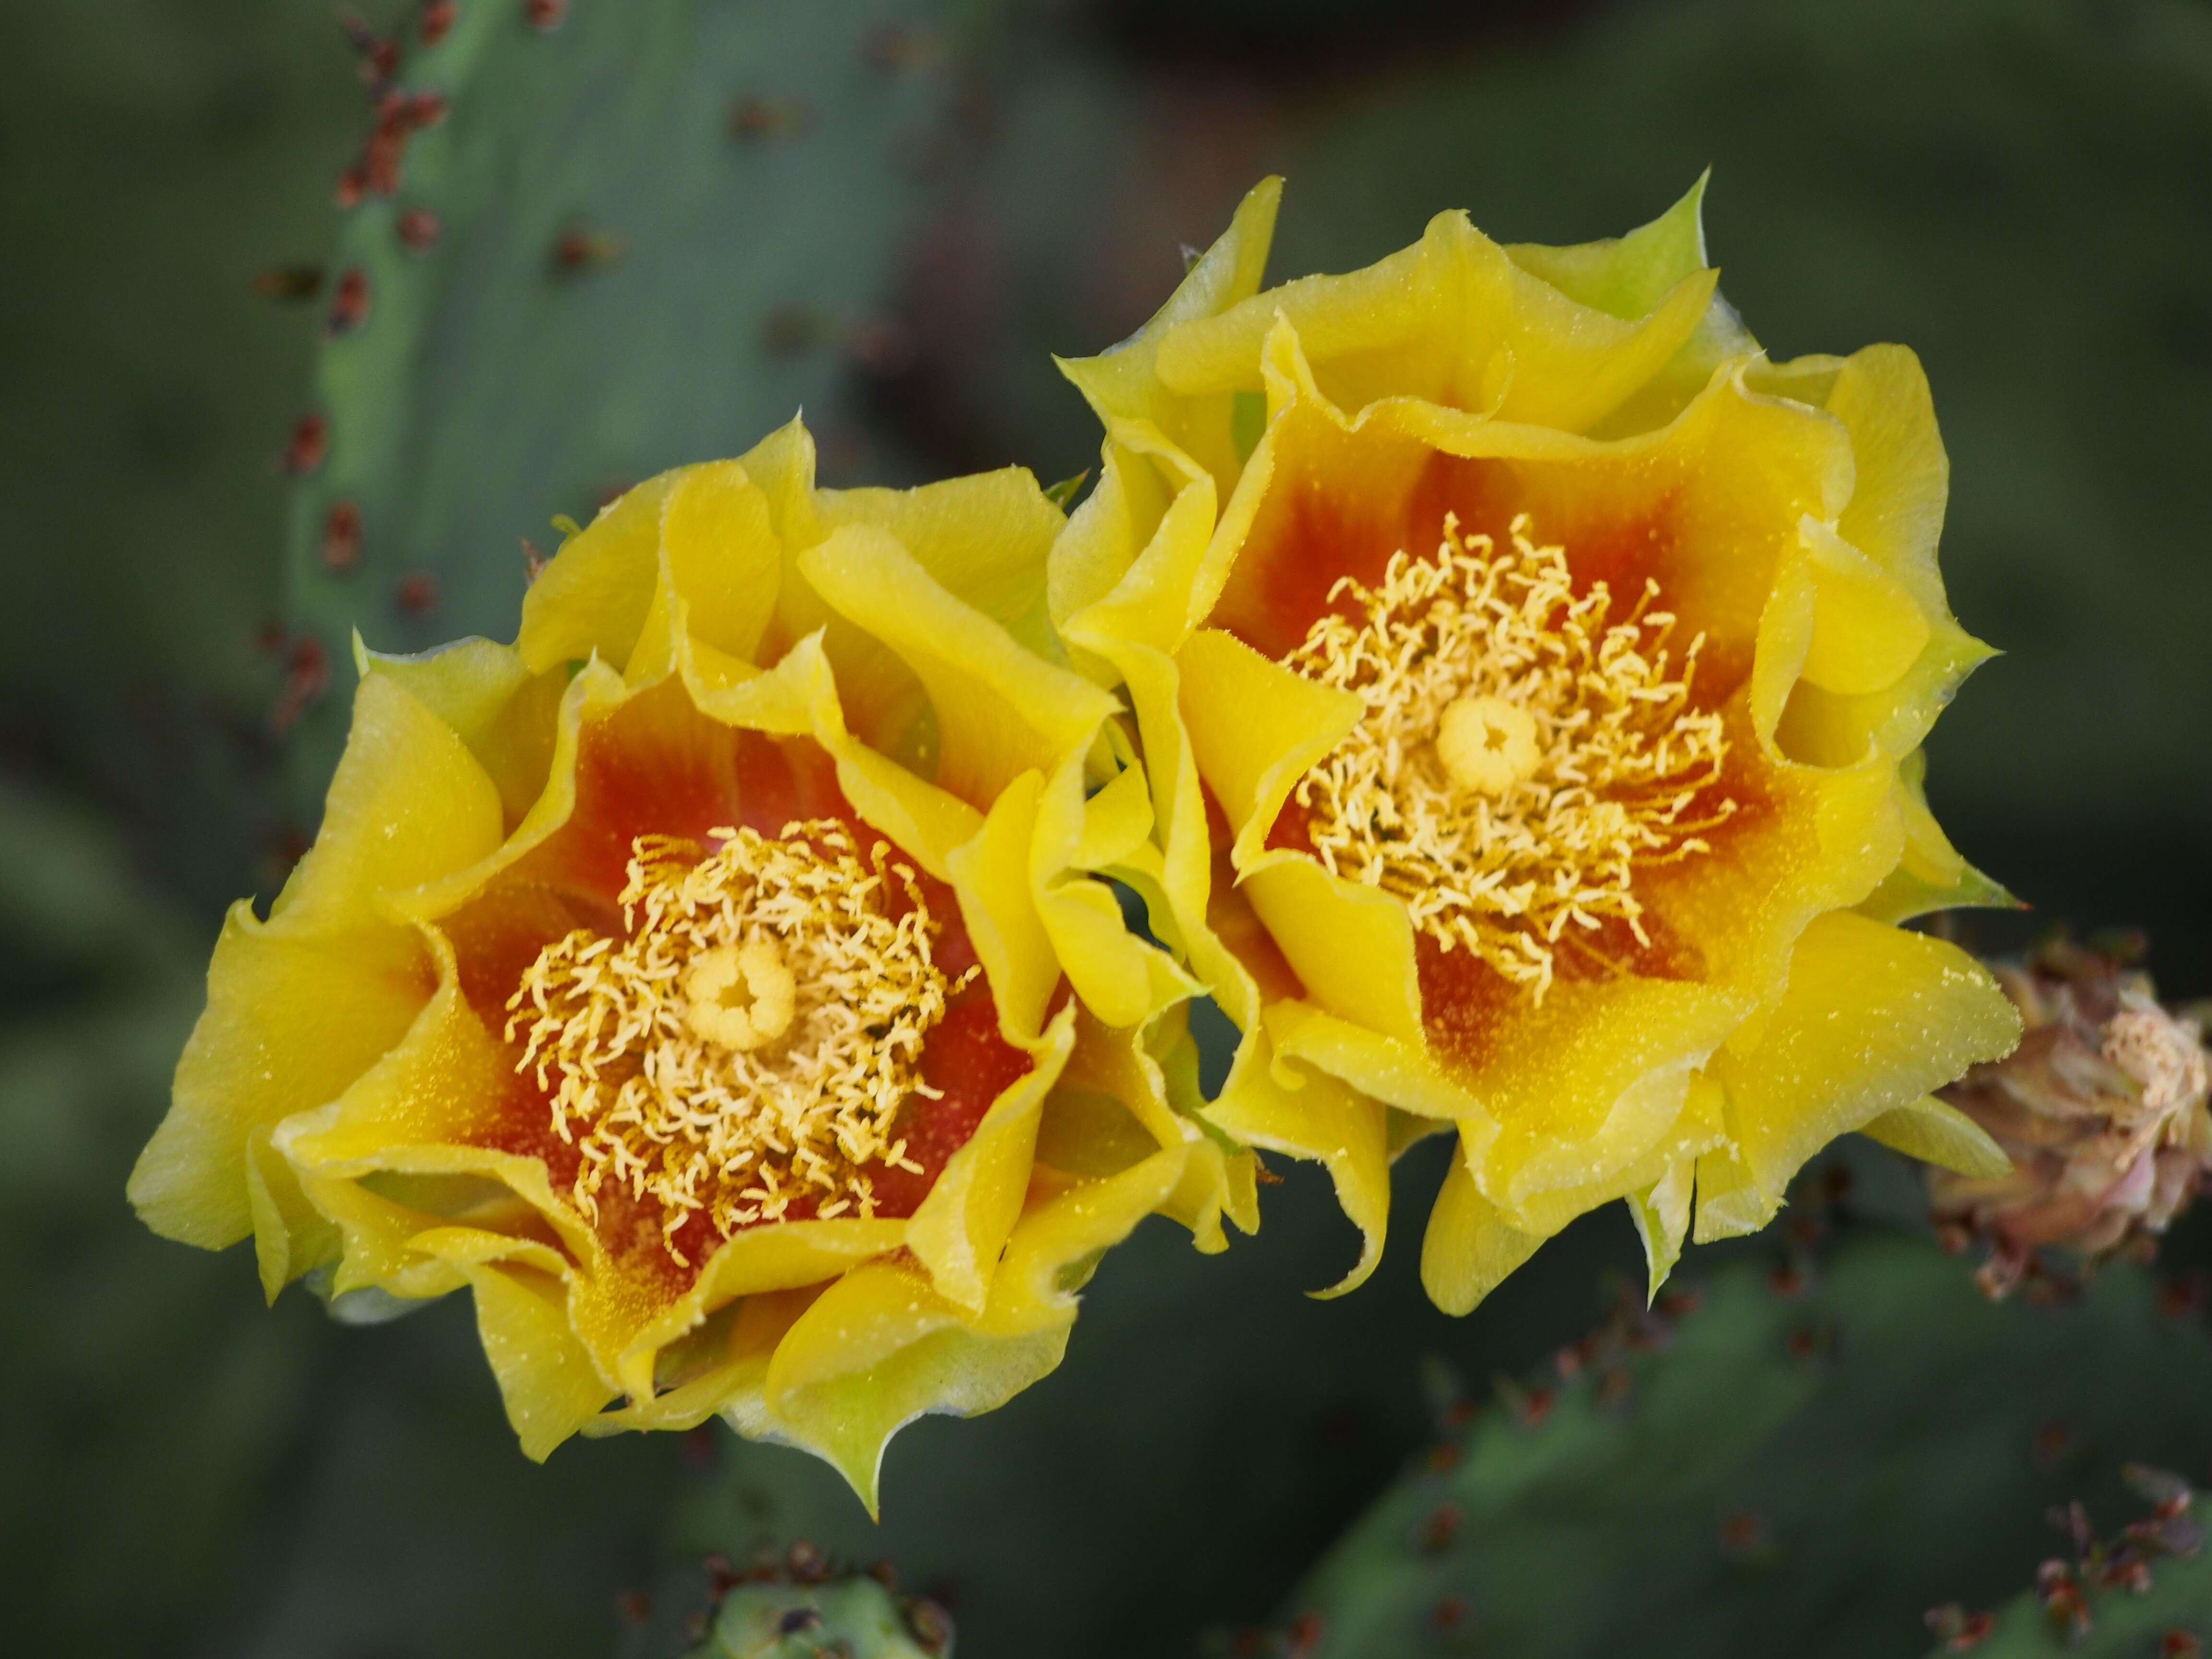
(740, 999)
(1487, 744)
(748, 1044)
(1522, 754)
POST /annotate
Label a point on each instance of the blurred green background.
(657, 235)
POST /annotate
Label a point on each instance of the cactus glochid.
(2148, 1591)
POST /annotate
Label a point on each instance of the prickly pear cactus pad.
(1803, 1456)
(581, 243)
(1534, 675)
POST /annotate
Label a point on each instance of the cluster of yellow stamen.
(748, 1044)
(1520, 754)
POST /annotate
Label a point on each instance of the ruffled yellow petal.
(1451, 321)
(1872, 1019)
(962, 1227)
(550, 1388)
(289, 1024)
(408, 804)
(593, 598)
(1351, 946)
(1255, 728)
(499, 710)
(1938, 1133)
(1050, 1255)
(1125, 384)
(1470, 1247)
(981, 538)
(1932, 875)
(1662, 1213)
(1001, 710)
(1307, 1113)
(875, 1351)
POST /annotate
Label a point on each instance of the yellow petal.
(1904, 479)
(719, 551)
(1255, 728)
(592, 597)
(1874, 1018)
(290, 1236)
(877, 1350)
(1626, 277)
(546, 1380)
(1931, 875)
(1938, 1133)
(1310, 1114)
(289, 1024)
(1121, 383)
(1730, 1202)
(1121, 978)
(1351, 946)
(962, 1227)
(1000, 709)
(981, 537)
(990, 873)
(408, 804)
(1662, 1213)
(1867, 628)
(503, 714)
(1469, 1249)
(1051, 1252)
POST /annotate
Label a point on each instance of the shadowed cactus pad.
(1804, 1464)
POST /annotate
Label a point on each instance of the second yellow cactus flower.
(1531, 678)
(713, 981)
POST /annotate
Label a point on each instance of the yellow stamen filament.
(1521, 754)
(749, 1043)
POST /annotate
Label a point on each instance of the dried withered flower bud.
(2102, 1109)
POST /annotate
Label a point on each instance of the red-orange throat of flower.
(1522, 754)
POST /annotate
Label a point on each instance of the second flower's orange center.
(744, 1050)
(1522, 754)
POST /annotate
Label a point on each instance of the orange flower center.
(1522, 754)
(747, 1047)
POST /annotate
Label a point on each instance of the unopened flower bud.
(2101, 1108)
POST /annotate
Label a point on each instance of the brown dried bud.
(2102, 1109)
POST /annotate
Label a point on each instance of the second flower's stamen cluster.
(748, 1045)
(1521, 754)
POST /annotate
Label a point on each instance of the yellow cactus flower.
(1531, 678)
(691, 980)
